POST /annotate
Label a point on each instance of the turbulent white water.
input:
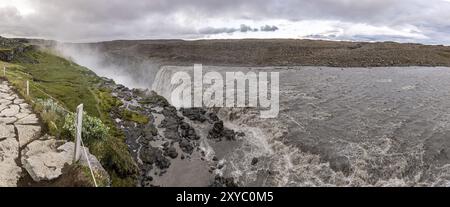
(342, 127)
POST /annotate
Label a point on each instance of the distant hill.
(278, 52)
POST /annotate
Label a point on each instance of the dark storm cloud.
(80, 20)
(268, 28)
(246, 28)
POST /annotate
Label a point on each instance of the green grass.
(63, 80)
(135, 117)
(69, 85)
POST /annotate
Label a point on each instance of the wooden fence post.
(28, 88)
(4, 71)
(79, 128)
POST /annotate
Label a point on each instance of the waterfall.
(162, 82)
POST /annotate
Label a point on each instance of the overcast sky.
(424, 21)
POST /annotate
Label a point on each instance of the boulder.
(186, 131)
(220, 181)
(186, 146)
(254, 161)
(151, 155)
(171, 152)
(218, 132)
(100, 173)
(44, 160)
(194, 114)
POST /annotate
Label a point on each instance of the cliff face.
(13, 50)
(8, 48)
(6, 55)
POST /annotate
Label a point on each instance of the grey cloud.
(246, 28)
(321, 36)
(211, 30)
(80, 20)
(268, 28)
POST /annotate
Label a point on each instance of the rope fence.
(78, 140)
(51, 97)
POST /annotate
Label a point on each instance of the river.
(341, 127)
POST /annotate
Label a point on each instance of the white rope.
(49, 96)
(43, 92)
(89, 162)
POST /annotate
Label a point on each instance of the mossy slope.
(69, 85)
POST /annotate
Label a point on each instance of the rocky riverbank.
(163, 142)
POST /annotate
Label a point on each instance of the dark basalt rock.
(171, 123)
(220, 181)
(186, 131)
(194, 114)
(219, 131)
(212, 117)
(171, 126)
(171, 152)
(186, 146)
(151, 155)
(147, 178)
(150, 130)
(255, 161)
(216, 131)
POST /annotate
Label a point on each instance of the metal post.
(28, 88)
(79, 127)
